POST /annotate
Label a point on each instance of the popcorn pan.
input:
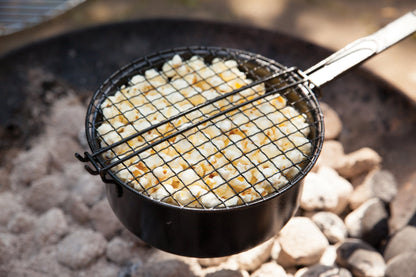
(202, 231)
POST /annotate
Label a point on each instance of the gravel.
(55, 219)
(81, 248)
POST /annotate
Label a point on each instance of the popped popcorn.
(235, 158)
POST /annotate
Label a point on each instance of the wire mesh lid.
(17, 15)
(204, 127)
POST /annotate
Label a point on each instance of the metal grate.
(130, 154)
(16, 15)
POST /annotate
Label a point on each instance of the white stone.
(329, 256)
(208, 262)
(331, 225)
(333, 123)
(317, 194)
(353, 221)
(342, 187)
(252, 259)
(332, 154)
(270, 269)
(325, 190)
(276, 248)
(361, 161)
(302, 243)
(323, 270)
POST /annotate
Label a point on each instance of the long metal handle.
(362, 49)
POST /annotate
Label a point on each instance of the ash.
(56, 221)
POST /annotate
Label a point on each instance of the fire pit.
(39, 76)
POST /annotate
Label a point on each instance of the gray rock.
(403, 206)
(22, 222)
(402, 241)
(360, 258)
(78, 210)
(89, 188)
(358, 162)
(402, 265)
(130, 269)
(29, 166)
(104, 220)
(252, 259)
(354, 220)
(68, 110)
(19, 269)
(120, 251)
(333, 124)
(331, 225)
(101, 268)
(4, 177)
(9, 206)
(9, 248)
(81, 248)
(45, 264)
(379, 183)
(61, 138)
(46, 193)
(302, 243)
(228, 273)
(270, 269)
(51, 227)
(324, 270)
(72, 173)
(82, 138)
(61, 150)
(375, 223)
(325, 190)
(168, 268)
(152, 257)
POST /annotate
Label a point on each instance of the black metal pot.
(202, 232)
